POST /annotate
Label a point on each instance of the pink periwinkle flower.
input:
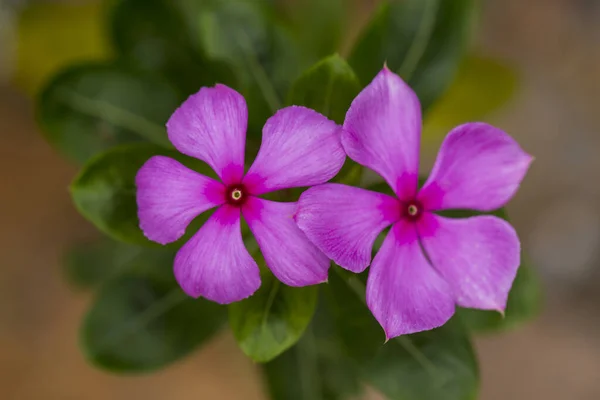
(300, 147)
(427, 263)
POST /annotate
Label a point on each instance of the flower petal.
(215, 264)
(477, 256)
(344, 221)
(404, 292)
(169, 196)
(478, 167)
(300, 147)
(292, 258)
(211, 125)
(382, 132)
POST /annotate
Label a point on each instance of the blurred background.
(553, 49)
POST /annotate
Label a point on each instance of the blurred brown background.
(555, 47)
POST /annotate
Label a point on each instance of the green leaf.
(482, 85)
(90, 108)
(432, 365)
(327, 87)
(421, 40)
(89, 264)
(273, 319)
(104, 191)
(139, 323)
(152, 34)
(315, 369)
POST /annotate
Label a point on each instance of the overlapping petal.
(300, 147)
(344, 221)
(215, 264)
(478, 167)
(292, 258)
(404, 293)
(477, 256)
(382, 132)
(169, 196)
(211, 126)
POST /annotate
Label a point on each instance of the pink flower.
(427, 263)
(300, 147)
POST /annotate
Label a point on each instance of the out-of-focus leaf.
(524, 303)
(435, 365)
(104, 191)
(153, 35)
(273, 319)
(263, 52)
(421, 40)
(90, 108)
(138, 323)
(482, 85)
(317, 24)
(52, 35)
(91, 263)
(315, 368)
(327, 87)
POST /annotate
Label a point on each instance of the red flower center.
(412, 210)
(236, 195)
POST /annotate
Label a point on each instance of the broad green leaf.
(327, 87)
(104, 191)
(89, 264)
(138, 323)
(524, 303)
(90, 108)
(52, 35)
(421, 40)
(314, 369)
(433, 365)
(482, 85)
(273, 319)
(153, 35)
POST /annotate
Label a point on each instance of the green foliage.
(89, 264)
(317, 24)
(90, 108)
(327, 87)
(435, 365)
(421, 40)
(315, 368)
(152, 35)
(104, 191)
(260, 48)
(139, 323)
(273, 319)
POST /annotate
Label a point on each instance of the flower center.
(236, 195)
(412, 210)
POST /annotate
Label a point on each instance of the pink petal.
(293, 259)
(215, 264)
(300, 147)
(404, 293)
(344, 221)
(382, 132)
(477, 256)
(169, 196)
(211, 125)
(478, 167)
